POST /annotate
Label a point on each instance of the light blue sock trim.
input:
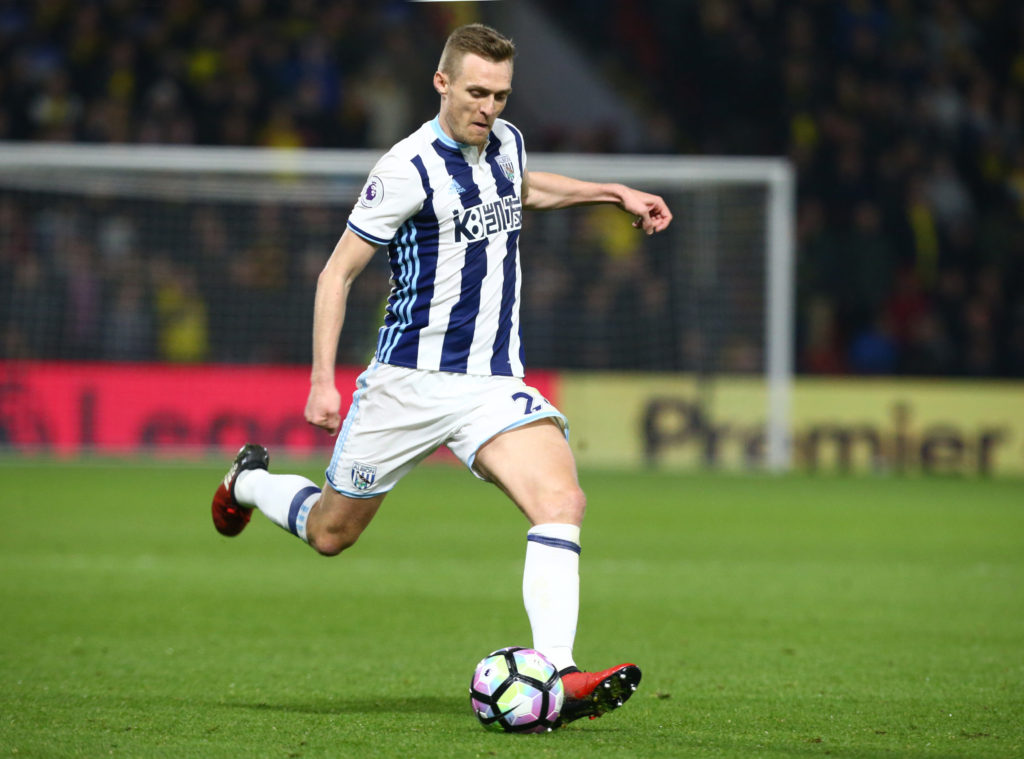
(299, 510)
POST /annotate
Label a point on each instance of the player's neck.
(470, 151)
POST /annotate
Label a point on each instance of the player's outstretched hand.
(323, 407)
(651, 211)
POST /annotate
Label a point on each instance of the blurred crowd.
(233, 279)
(219, 281)
(249, 72)
(904, 119)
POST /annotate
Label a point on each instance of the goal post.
(239, 234)
(776, 177)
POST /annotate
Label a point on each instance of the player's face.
(474, 98)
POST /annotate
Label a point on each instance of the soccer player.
(447, 203)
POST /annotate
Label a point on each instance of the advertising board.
(844, 424)
(617, 420)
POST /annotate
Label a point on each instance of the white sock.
(285, 499)
(551, 589)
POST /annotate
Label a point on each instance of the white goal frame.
(775, 174)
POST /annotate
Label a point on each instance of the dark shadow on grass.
(417, 705)
(431, 706)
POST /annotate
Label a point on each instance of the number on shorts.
(529, 400)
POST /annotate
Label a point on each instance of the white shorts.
(399, 416)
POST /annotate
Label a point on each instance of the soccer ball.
(517, 690)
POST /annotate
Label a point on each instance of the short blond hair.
(480, 39)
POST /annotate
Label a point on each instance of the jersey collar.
(447, 141)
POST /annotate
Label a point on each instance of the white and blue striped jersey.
(450, 215)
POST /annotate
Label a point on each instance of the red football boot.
(230, 517)
(591, 694)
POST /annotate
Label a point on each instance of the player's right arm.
(349, 258)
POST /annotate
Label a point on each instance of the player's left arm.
(545, 191)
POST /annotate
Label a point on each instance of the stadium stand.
(905, 121)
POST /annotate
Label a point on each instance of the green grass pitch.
(773, 617)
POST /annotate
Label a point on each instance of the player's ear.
(440, 83)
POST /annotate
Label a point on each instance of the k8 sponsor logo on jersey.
(479, 222)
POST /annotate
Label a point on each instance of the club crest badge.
(507, 167)
(363, 475)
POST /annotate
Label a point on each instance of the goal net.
(184, 254)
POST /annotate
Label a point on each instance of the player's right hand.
(323, 407)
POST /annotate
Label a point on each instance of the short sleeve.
(392, 194)
(520, 148)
